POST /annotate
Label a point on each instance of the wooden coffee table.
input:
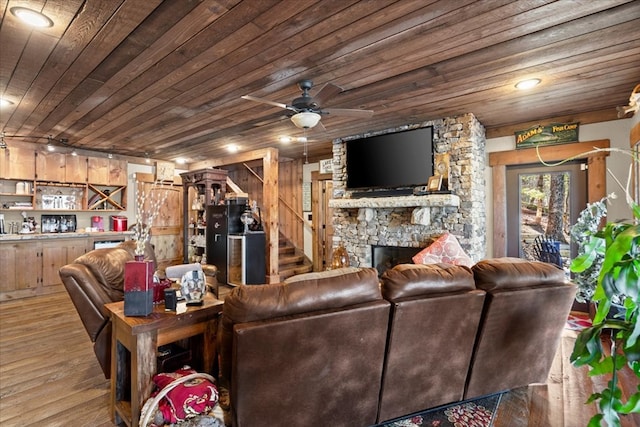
(140, 337)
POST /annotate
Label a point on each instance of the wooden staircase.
(291, 260)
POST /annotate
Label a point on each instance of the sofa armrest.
(88, 298)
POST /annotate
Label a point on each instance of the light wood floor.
(49, 376)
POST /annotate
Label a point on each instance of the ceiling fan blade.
(327, 92)
(348, 112)
(265, 101)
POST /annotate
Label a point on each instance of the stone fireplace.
(413, 221)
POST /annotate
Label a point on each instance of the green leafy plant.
(619, 274)
(613, 251)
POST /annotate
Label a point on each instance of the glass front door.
(542, 204)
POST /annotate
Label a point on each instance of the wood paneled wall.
(249, 178)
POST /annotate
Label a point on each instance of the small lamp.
(340, 257)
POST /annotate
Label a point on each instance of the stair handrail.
(286, 205)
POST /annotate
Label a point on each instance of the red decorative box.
(138, 288)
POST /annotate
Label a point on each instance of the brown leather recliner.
(308, 352)
(434, 320)
(93, 280)
(526, 309)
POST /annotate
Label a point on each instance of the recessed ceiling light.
(32, 17)
(285, 139)
(181, 161)
(232, 148)
(527, 84)
(5, 102)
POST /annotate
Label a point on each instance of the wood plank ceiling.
(166, 77)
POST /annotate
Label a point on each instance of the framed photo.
(164, 171)
(434, 183)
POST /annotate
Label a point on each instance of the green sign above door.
(554, 133)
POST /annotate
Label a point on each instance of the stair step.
(287, 261)
(300, 269)
(284, 250)
(291, 260)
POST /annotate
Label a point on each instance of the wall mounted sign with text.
(326, 166)
(554, 133)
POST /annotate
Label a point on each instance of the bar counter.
(97, 235)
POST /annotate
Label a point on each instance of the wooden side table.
(140, 337)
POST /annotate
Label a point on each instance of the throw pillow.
(446, 249)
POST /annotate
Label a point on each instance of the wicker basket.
(151, 404)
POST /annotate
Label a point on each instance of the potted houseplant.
(587, 265)
(585, 275)
(611, 257)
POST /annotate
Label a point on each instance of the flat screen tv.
(390, 161)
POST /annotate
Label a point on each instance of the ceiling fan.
(305, 111)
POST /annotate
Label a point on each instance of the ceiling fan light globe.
(305, 120)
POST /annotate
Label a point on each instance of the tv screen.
(393, 160)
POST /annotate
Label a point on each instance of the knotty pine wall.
(290, 194)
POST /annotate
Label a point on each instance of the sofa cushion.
(509, 273)
(309, 292)
(107, 266)
(446, 249)
(411, 280)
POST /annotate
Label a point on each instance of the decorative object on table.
(257, 224)
(147, 209)
(434, 183)
(159, 286)
(441, 168)
(192, 281)
(247, 219)
(170, 300)
(138, 287)
(193, 287)
(618, 242)
(340, 258)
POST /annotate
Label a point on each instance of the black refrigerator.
(222, 220)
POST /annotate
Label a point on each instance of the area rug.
(475, 413)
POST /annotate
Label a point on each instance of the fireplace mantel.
(430, 200)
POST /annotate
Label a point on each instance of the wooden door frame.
(316, 219)
(498, 161)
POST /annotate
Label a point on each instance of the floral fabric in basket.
(194, 397)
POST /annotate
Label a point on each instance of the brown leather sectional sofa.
(342, 348)
(345, 348)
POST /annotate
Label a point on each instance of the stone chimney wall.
(357, 228)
